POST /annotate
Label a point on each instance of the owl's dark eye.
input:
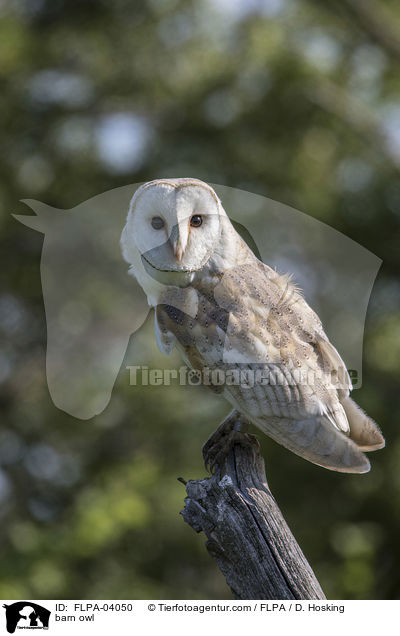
(196, 220)
(157, 222)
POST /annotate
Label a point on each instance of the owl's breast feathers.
(250, 320)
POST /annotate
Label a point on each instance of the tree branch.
(247, 534)
(378, 26)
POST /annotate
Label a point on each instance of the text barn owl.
(225, 310)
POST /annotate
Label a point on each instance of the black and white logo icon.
(26, 615)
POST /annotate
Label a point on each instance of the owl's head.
(174, 227)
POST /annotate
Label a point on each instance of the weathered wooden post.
(247, 534)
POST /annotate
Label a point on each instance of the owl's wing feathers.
(255, 320)
(308, 408)
(271, 324)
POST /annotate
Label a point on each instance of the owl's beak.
(178, 251)
(178, 239)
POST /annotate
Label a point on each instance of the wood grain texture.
(247, 534)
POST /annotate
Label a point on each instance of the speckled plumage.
(228, 312)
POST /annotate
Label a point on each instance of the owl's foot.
(230, 432)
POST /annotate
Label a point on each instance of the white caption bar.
(194, 617)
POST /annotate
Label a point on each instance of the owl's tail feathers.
(316, 440)
(363, 430)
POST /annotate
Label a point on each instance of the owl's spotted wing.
(278, 366)
(305, 405)
(271, 327)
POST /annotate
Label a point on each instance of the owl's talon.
(219, 452)
(220, 443)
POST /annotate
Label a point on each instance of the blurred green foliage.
(293, 99)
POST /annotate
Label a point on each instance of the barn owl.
(226, 311)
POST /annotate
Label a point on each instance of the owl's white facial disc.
(175, 228)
